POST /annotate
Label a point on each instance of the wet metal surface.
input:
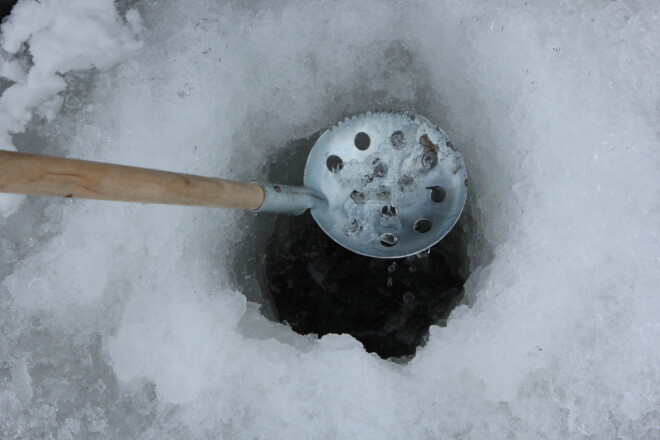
(376, 171)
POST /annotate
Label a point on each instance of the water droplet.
(429, 159)
(358, 197)
(383, 193)
(398, 140)
(389, 281)
(380, 169)
(392, 267)
(353, 228)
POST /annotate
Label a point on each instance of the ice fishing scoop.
(385, 185)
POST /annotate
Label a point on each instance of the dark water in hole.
(388, 305)
(5, 7)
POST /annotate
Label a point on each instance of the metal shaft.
(293, 200)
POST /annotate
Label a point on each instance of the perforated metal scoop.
(384, 185)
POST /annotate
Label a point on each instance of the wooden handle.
(57, 177)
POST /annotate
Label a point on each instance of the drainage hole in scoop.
(423, 225)
(398, 140)
(388, 240)
(334, 163)
(437, 194)
(389, 211)
(362, 141)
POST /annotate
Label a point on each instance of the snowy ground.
(126, 321)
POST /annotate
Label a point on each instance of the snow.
(62, 35)
(130, 321)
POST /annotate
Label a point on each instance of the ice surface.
(125, 321)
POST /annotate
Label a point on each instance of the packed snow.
(130, 321)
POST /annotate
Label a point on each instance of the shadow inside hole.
(388, 305)
(319, 287)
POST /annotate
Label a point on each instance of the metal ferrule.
(293, 200)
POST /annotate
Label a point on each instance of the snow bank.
(42, 41)
(127, 321)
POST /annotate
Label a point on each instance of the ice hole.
(316, 286)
